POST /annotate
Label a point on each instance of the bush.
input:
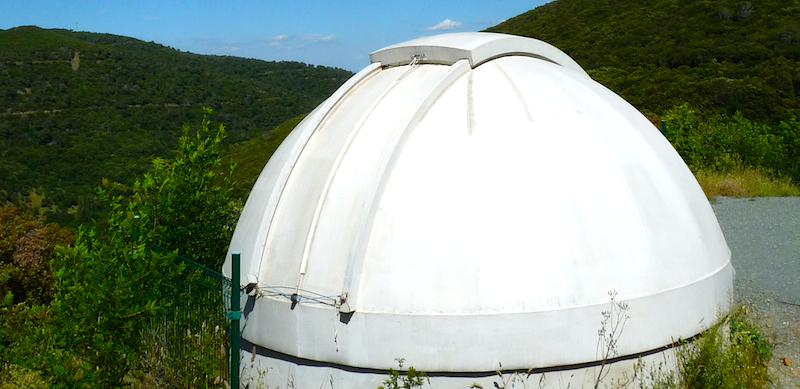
(731, 354)
(111, 284)
(188, 205)
(411, 379)
(27, 285)
(722, 143)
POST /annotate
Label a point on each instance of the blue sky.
(331, 33)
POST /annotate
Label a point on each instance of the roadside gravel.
(764, 237)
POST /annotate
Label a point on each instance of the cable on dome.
(294, 295)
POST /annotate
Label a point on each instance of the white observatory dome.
(470, 200)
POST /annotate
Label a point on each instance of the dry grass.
(744, 182)
(15, 377)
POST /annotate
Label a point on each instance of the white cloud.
(229, 48)
(297, 41)
(314, 38)
(276, 41)
(446, 24)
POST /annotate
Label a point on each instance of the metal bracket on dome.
(417, 58)
(477, 47)
(344, 305)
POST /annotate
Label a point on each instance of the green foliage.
(722, 143)
(731, 354)
(411, 379)
(63, 130)
(21, 327)
(186, 202)
(789, 132)
(28, 43)
(111, 284)
(27, 285)
(27, 246)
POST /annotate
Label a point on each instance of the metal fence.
(191, 339)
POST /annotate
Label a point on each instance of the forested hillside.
(719, 56)
(76, 107)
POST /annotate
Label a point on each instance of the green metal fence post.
(235, 315)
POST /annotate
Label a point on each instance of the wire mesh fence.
(190, 341)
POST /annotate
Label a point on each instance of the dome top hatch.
(476, 47)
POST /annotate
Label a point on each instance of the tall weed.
(732, 354)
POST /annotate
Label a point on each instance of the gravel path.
(764, 237)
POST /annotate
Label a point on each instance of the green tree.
(188, 203)
(110, 282)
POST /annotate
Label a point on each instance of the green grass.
(745, 182)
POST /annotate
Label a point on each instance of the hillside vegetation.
(76, 107)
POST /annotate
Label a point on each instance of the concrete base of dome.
(269, 369)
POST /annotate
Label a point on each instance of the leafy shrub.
(732, 354)
(27, 246)
(27, 285)
(186, 203)
(411, 379)
(721, 143)
(111, 283)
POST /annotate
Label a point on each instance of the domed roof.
(468, 200)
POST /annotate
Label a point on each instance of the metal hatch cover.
(476, 47)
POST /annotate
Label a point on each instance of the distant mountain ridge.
(77, 106)
(718, 55)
